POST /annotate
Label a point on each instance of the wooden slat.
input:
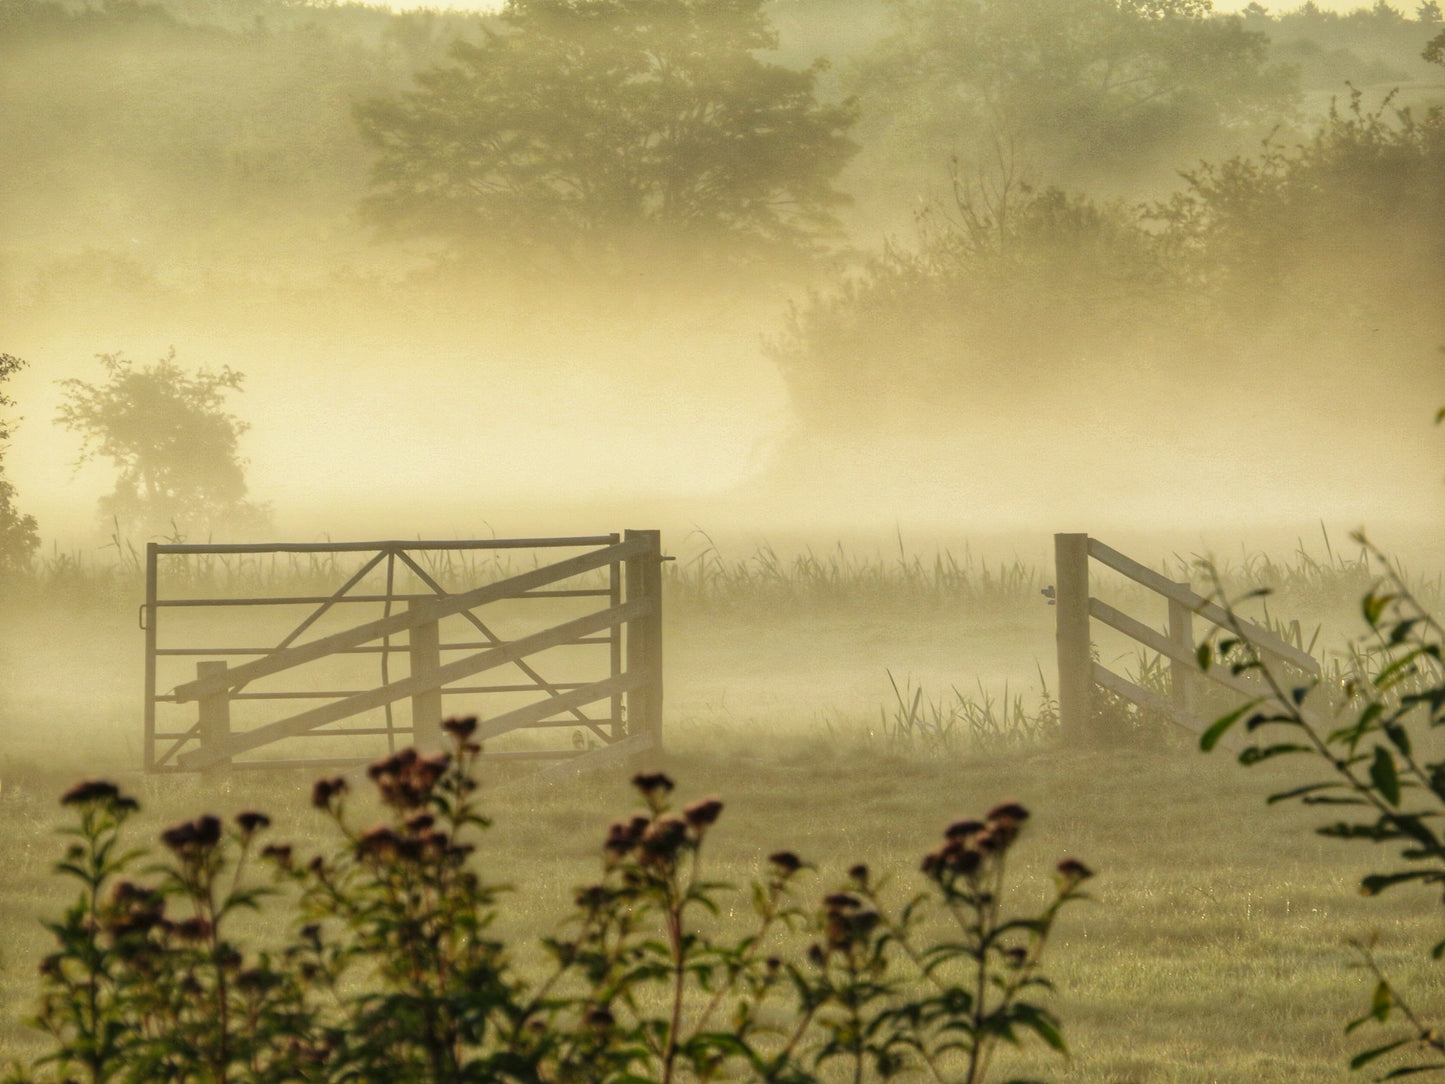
(533, 714)
(594, 758)
(1137, 630)
(1258, 635)
(238, 676)
(391, 544)
(1219, 674)
(406, 687)
(1147, 699)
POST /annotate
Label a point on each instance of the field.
(1216, 945)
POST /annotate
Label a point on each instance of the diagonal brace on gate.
(448, 672)
(238, 677)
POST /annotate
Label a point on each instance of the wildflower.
(327, 789)
(1008, 811)
(703, 813)
(200, 834)
(786, 862)
(663, 838)
(650, 783)
(89, 791)
(280, 853)
(963, 829)
(859, 875)
(195, 928)
(461, 728)
(1071, 869)
(250, 821)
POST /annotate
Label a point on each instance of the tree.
(1085, 87)
(19, 537)
(173, 445)
(587, 124)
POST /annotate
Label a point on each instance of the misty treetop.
(1098, 88)
(172, 442)
(1334, 246)
(598, 124)
(19, 533)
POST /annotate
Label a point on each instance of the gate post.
(644, 638)
(151, 614)
(214, 722)
(1181, 674)
(1076, 664)
(424, 650)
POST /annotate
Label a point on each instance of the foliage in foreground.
(1386, 781)
(393, 971)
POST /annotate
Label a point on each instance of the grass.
(1215, 950)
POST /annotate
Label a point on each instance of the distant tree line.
(563, 127)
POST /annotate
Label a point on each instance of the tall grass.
(709, 579)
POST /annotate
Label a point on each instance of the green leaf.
(1204, 655)
(1384, 776)
(1376, 883)
(1364, 1058)
(1297, 792)
(1210, 738)
(1399, 737)
(1380, 1005)
(1373, 606)
(1256, 753)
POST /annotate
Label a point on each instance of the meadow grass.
(1216, 948)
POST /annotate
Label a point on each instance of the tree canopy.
(174, 446)
(1084, 85)
(19, 534)
(582, 124)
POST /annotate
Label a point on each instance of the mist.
(199, 181)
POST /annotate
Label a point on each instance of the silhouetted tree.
(19, 536)
(173, 445)
(612, 124)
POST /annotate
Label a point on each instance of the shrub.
(1384, 785)
(392, 971)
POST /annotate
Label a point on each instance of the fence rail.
(627, 629)
(1080, 674)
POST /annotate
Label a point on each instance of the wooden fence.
(1080, 674)
(617, 648)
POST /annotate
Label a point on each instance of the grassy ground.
(1215, 951)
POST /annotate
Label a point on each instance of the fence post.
(1076, 664)
(424, 651)
(214, 722)
(1181, 674)
(151, 615)
(644, 638)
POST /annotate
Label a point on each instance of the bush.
(1385, 784)
(392, 971)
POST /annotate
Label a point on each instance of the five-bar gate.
(357, 647)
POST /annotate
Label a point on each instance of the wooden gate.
(578, 641)
(1079, 673)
